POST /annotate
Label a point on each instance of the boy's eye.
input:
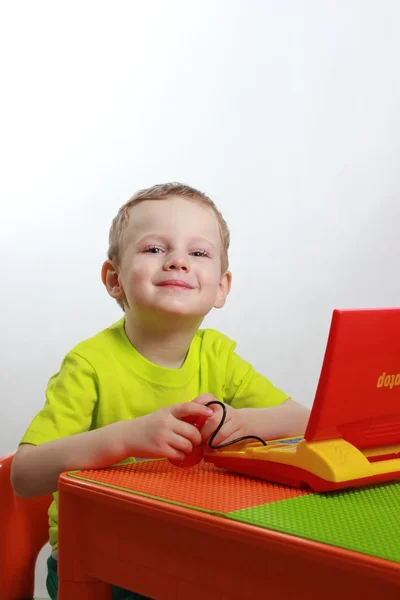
(153, 249)
(159, 250)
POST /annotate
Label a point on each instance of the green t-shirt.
(104, 379)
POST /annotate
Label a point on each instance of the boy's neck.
(167, 347)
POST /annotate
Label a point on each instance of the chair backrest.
(23, 533)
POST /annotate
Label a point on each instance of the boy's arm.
(60, 437)
(285, 420)
(35, 469)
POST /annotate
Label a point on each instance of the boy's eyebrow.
(203, 239)
(151, 236)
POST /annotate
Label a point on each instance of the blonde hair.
(162, 192)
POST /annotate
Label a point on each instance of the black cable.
(212, 437)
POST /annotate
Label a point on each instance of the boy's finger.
(227, 434)
(173, 454)
(204, 399)
(210, 426)
(187, 431)
(180, 443)
(190, 409)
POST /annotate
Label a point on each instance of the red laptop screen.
(358, 395)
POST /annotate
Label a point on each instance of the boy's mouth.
(176, 283)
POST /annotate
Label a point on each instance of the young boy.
(123, 393)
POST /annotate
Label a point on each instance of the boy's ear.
(223, 289)
(110, 278)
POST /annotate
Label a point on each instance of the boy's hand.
(234, 426)
(164, 434)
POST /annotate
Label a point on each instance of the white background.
(286, 113)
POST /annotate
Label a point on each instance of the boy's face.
(171, 261)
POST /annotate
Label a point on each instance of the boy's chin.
(178, 310)
(170, 310)
(177, 313)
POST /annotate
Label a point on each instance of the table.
(186, 534)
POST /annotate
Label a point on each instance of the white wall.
(286, 113)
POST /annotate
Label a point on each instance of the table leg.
(74, 583)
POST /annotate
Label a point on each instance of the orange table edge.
(169, 552)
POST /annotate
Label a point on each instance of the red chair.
(23, 533)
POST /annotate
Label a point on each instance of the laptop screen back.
(358, 394)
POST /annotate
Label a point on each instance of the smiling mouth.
(175, 283)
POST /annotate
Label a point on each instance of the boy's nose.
(178, 261)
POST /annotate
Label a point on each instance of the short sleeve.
(71, 398)
(245, 388)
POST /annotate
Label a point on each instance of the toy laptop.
(353, 434)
